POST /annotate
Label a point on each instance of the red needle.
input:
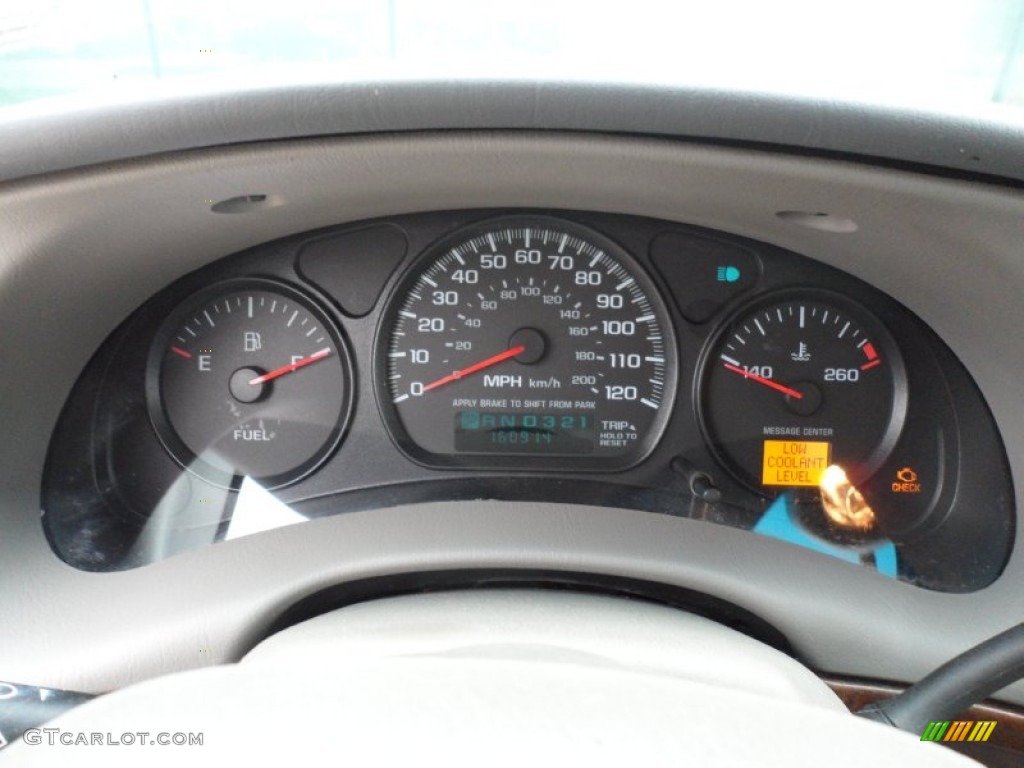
(289, 368)
(474, 368)
(767, 382)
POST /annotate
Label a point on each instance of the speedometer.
(527, 342)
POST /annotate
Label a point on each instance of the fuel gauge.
(249, 378)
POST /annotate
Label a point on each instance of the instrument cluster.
(562, 356)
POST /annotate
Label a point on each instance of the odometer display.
(484, 432)
(523, 340)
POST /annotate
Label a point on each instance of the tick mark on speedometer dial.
(527, 339)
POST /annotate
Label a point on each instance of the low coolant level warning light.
(795, 462)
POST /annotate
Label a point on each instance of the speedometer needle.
(767, 382)
(500, 357)
(291, 367)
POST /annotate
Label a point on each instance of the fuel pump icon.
(253, 342)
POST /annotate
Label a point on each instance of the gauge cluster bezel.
(103, 470)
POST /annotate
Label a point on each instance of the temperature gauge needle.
(289, 368)
(500, 357)
(767, 382)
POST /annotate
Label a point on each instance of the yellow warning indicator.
(794, 462)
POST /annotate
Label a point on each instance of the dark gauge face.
(249, 379)
(798, 384)
(523, 340)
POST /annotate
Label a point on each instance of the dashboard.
(547, 356)
(410, 463)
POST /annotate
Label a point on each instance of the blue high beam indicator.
(727, 274)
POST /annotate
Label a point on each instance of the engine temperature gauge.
(249, 379)
(798, 384)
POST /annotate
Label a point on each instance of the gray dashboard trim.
(950, 250)
(80, 131)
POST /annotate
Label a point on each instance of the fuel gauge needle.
(289, 368)
(498, 358)
(767, 382)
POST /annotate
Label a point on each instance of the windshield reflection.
(950, 55)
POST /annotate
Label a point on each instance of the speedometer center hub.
(534, 345)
